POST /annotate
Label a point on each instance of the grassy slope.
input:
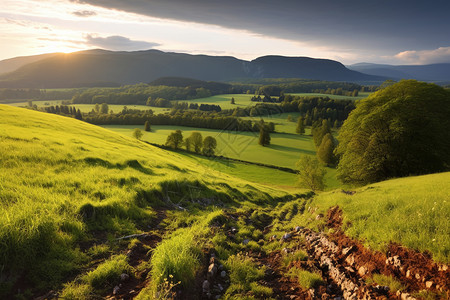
(62, 178)
(412, 211)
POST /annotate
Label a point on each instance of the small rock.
(116, 290)
(443, 268)
(285, 250)
(362, 271)
(319, 216)
(345, 251)
(286, 236)
(429, 284)
(233, 230)
(298, 228)
(245, 242)
(124, 277)
(223, 274)
(212, 271)
(417, 276)
(220, 287)
(206, 286)
(350, 260)
(273, 237)
(220, 267)
(408, 274)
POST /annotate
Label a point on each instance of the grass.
(244, 274)
(62, 180)
(306, 279)
(411, 211)
(241, 100)
(360, 96)
(107, 274)
(85, 108)
(383, 280)
(284, 151)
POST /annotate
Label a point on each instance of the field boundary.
(284, 169)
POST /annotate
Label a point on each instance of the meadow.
(70, 191)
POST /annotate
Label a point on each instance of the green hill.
(62, 180)
(82, 207)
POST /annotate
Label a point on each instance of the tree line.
(193, 143)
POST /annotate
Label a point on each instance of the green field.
(285, 149)
(241, 100)
(85, 108)
(68, 189)
(338, 97)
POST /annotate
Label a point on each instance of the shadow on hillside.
(134, 164)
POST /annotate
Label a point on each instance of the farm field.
(284, 151)
(241, 100)
(85, 108)
(338, 97)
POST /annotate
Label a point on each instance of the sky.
(350, 31)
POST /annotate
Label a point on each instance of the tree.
(264, 134)
(300, 126)
(289, 118)
(196, 140)
(209, 146)
(232, 100)
(401, 130)
(147, 126)
(78, 115)
(137, 133)
(325, 151)
(311, 174)
(97, 108)
(175, 139)
(320, 131)
(104, 108)
(188, 143)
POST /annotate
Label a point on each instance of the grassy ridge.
(62, 179)
(411, 211)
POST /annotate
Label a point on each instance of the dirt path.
(345, 264)
(137, 255)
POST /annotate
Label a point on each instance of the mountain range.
(108, 68)
(433, 72)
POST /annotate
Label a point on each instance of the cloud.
(381, 24)
(84, 13)
(118, 43)
(439, 55)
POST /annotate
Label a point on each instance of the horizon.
(352, 32)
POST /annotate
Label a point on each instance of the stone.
(298, 228)
(319, 216)
(124, 277)
(246, 241)
(347, 250)
(362, 271)
(408, 274)
(286, 236)
(285, 250)
(233, 230)
(350, 260)
(429, 284)
(206, 286)
(220, 287)
(116, 290)
(223, 274)
(212, 270)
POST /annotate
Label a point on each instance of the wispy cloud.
(84, 13)
(117, 42)
(439, 55)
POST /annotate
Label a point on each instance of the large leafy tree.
(175, 139)
(196, 141)
(209, 146)
(311, 174)
(401, 130)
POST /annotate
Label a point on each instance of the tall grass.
(61, 180)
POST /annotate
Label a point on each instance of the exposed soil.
(138, 254)
(345, 264)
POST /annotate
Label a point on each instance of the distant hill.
(193, 83)
(12, 64)
(107, 68)
(432, 72)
